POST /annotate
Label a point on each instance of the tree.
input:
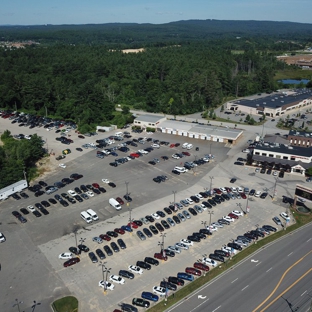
(222, 108)
(302, 126)
(125, 110)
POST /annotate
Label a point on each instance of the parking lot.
(37, 243)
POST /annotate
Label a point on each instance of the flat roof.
(291, 163)
(208, 130)
(275, 101)
(12, 186)
(300, 133)
(285, 149)
(149, 118)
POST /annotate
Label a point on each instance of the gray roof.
(300, 133)
(12, 186)
(275, 139)
(149, 118)
(291, 163)
(275, 101)
(208, 130)
(285, 149)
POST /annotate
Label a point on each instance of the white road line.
(234, 280)
(309, 239)
(290, 254)
(258, 264)
(303, 293)
(199, 305)
(245, 287)
(269, 269)
(216, 308)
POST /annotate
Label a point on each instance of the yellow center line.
(285, 291)
(280, 281)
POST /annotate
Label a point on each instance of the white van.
(113, 202)
(189, 146)
(180, 169)
(85, 216)
(120, 134)
(92, 214)
(185, 145)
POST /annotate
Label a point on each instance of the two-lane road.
(259, 282)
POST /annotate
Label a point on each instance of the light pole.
(211, 178)
(274, 190)
(162, 243)
(127, 193)
(107, 271)
(204, 223)
(75, 232)
(174, 199)
(34, 305)
(81, 241)
(16, 304)
(263, 120)
(194, 168)
(103, 267)
(210, 213)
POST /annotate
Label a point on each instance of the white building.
(13, 188)
(148, 121)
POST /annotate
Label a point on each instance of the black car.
(147, 232)
(75, 251)
(205, 232)
(151, 260)
(143, 265)
(194, 238)
(169, 253)
(157, 180)
(140, 302)
(83, 188)
(200, 235)
(168, 285)
(235, 246)
(216, 257)
(159, 227)
(93, 257)
(64, 195)
(269, 228)
(127, 198)
(112, 233)
(121, 243)
(176, 280)
(152, 162)
(114, 247)
(257, 233)
(168, 210)
(233, 180)
(24, 211)
(71, 200)
(83, 248)
(220, 198)
(42, 183)
(160, 213)
(64, 203)
(78, 198)
(203, 194)
(165, 224)
(45, 203)
(126, 274)
(252, 192)
(211, 202)
(251, 236)
(44, 211)
(138, 222)
(153, 229)
(264, 195)
(225, 196)
(96, 191)
(125, 307)
(37, 214)
(108, 250)
(176, 220)
(77, 190)
(39, 193)
(102, 189)
(192, 211)
(24, 195)
(112, 184)
(149, 218)
(38, 205)
(222, 253)
(195, 199)
(100, 254)
(238, 163)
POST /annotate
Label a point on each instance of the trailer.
(13, 188)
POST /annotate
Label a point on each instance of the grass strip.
(183, 293)
(65, 304)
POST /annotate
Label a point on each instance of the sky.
(40, 12)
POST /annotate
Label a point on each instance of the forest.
(17, 156)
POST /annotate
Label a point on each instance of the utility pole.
(174, 199)
(103, 267)
(274, 189)
(210, 213)
(211, 178)
(16, 304)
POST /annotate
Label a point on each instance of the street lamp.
(34, 305)
(16, 304)
(107, 271)
(210, 213)
(162, 243)
(274, 190)
(263, 119)
(81, 241)
(174, 199)
(102, 264)
(211, 178)
(127, 193)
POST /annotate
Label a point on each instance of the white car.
(142, 151)
(258, 170)
(180, 169)
(275, 173)
(199, 196)
(226, 249)
(241, 243)
(117, 279)
(240, 190)
(237, 213)
(182, 246)
(217, 224)
(160, 291)
(209, 261)
(109, 285)
(105, 180)
(62, 166)
(71, 192)
(258, 193)
(212, 228)
(155, 216)
(227, 218)
(223, 190)
(174, 249)
(31, 208)
(233, 189)
(155, 146)
(285, 216)
(174, 156)
(65, 255)
(189, 201)
(186, 242)
(90, 193)
(135, 269)
(2, 238)
(144, 220)
(202, 206)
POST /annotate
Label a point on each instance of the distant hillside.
(135, 34)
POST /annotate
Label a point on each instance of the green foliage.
(17, 156)
(150, 129)
(309, 171)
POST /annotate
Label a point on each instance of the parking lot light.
(174, 199)
(211, 178)
(17, 304)
(34, 305)
(210, 213)
(103, 267)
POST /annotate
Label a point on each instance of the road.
(281, 269)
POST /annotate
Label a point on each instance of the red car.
(193, 271)
(243, 195)
(228, 189)
(95, 185)
(217, 191)
(135, 155)
(160, 255)
(201, 266)
(186, 153)
(71, 261)
(172, 145)
(119, 231)
(233, 216)
(105, 237)
(133, 225)
(120, 201)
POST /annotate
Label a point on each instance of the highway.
(272, 279)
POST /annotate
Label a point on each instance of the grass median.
(183, 293)
(66, 304)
